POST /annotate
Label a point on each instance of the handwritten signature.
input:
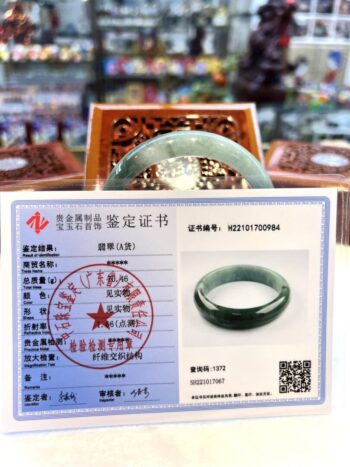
(67, 397)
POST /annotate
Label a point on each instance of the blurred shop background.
(56, 57)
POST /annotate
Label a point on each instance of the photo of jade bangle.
(241, 318)
(178, 144)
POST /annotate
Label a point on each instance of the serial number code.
(207, 381)
(253, 227)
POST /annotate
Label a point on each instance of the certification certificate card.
(138, 307)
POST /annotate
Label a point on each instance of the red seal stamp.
(100, 316)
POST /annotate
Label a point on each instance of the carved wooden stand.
(115, 130)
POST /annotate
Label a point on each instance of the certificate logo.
(37, 222)
(100, 316)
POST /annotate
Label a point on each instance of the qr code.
(295, 376)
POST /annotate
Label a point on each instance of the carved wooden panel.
(311, 162)
(131, 131)
(293, 164)
(115, 130)
(38, 166)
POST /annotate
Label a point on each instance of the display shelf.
(155, 77)
(19, 131)
(171, 55)
(49, 61)
(323, 21)
(158, 67)
(144, 24)
(73, 53)
(317, 41)
(142, 32)
(134, 77)
(307, 123)
(44, 73)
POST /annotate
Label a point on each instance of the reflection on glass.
(304, 5)
(344, 8)
(300, 28)
(342, 29)
(329, 159)
(325, 6)
(321, 28)
(188, 173)
(12, 163)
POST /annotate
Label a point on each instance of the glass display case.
(160, 51)
(46, 53)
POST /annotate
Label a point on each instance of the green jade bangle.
(241, 318)
(199, 144)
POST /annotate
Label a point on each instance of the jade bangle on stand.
(199, 144)
(241, 318)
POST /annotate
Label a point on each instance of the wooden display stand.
(116, 129)
(298, 164)
(39, 167)
(303, 165)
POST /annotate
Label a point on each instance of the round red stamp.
(100, 316)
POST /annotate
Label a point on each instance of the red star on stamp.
(124, 311)
(100, 318)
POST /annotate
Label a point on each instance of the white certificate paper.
(98, 320)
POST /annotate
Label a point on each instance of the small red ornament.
(284, 41)
(219, 78)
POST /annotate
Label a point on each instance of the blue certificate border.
(324, 201)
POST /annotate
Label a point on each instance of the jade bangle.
(187, 143)
(241, 318)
